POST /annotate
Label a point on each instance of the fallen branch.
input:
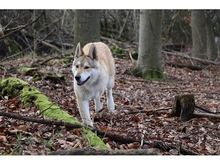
(92, 151)
(191, 67)
(201, 115)
(40, 121)
(192, 58)
(50, 45)
(150, 110)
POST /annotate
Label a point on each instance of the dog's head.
(84, 65)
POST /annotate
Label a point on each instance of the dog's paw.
(88, 123)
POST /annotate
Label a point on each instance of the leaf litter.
(142, 111)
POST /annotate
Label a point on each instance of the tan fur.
(104, 56)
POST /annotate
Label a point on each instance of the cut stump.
(183, 106)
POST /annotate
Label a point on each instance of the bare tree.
(203, 35)
(149, 63)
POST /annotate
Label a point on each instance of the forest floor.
(142, 110)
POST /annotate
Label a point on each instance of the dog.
(94, 72)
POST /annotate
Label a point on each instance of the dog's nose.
(77, 77)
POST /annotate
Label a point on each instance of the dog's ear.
(93, 52)
(78, 51)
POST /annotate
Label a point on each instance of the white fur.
(101, 72)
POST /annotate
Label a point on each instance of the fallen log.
(92, 151)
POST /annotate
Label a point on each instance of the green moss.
(12, 86)
(117, 50)
(45, 105)
(67, 59)
(137, 72)
(94, 140)
(27, 70)
(36, 77)
(153, 75)
(32, 95)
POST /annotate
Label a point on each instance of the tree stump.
(183, 106)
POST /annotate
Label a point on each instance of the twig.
(205, 110)
(150, 110)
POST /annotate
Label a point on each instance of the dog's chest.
(89, 92)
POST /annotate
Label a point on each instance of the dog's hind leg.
(84, 112)
(110, 100)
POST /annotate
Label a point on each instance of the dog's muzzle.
(79, 82)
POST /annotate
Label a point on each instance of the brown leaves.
(142, 111)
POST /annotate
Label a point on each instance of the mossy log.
(14, 87)
(183, 106)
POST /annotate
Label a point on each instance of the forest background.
(122, 31)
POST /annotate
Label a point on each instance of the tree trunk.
(86, 26)
(34, 34)
(199, 34)
(203, 38)
(149, 63)
(212, 46)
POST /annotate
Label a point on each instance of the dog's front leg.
(84, 112)
(98, 107)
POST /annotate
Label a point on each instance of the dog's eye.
(86, 67)
(77, 66)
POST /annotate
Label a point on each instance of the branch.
(201, 115)
(22, 26)
(50, 45)
(192, 58)
(14, 55)
(41, 121)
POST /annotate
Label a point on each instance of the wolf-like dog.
(94, 72)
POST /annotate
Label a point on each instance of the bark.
(183, 106)
(86, 26)
(149, 63)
